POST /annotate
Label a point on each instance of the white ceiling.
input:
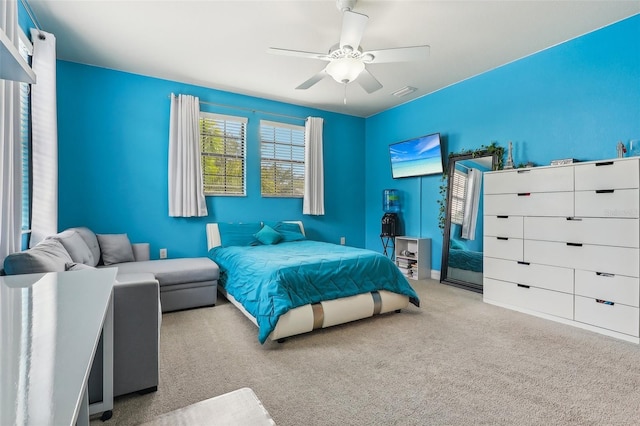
(222, 44)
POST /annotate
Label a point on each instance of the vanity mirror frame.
(496, 162)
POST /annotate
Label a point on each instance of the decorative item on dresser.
(562, 243)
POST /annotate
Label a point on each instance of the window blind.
(281, 159)
(25, 49)
(222, 142)
(458, 191)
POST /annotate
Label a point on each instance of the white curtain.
(313, 201)
(10, 152)
(44, 209)
(186, 194)
(472, 199)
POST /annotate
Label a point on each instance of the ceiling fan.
(347, 60)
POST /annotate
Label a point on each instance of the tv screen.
(416, 157)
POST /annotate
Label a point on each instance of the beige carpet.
(454, 361)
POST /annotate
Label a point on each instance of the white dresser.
(562, 243)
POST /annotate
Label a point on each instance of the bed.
(297, 285)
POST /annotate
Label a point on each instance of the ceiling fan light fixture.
(345, 70)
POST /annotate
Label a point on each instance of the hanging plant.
(492, 149)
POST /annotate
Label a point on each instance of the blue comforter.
(269, 280)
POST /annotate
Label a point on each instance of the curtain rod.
(249, 110)
(31, 15)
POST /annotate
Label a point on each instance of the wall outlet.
(163, 253)
(343, 240)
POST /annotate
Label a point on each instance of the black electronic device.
(390, 225)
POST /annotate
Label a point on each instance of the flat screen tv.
(416, 157)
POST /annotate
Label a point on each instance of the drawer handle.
(523, 194)
(604, 163)
(574, 244)
(575, 219)
(503, 238)
(605, 302)
(503, 217)
(605, 191)
(524, 286)
(524, 263)
(604, 274)
(523, 171)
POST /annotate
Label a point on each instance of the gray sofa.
(143, 290)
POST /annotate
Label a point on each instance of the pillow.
(92, 242)
(457, 245)
(238, 234)
(267, 235)
(75, 246)
(48, 255)
(289, 231)
(115, 248)
(77, 266)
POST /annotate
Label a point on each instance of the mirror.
(463, 229)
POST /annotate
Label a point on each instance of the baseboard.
(435, 275)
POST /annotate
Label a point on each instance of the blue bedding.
(465, 259)
(269, 280)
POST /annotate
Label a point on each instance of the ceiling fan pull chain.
(345, 93)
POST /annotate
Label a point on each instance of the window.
(458, 193)
(25, 141)
(222, 144)
(281, 160)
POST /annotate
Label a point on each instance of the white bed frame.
(324, 314)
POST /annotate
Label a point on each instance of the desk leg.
(106, 405)
(83, 414)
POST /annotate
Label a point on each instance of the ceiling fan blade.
(352, 29)
(368, 82)
(313, 80)
(398, 54)
(298, 53)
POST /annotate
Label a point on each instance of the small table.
(50, 325)
(238, 408)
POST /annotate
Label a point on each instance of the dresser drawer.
(616, 288)
(503, 247)
(529, 204)
(608, 232)
(616, 317)
(547, 179)
(613, 174)
(503, 226)
(532, 298)
(612, 260)
(541, 276)
(607, 203)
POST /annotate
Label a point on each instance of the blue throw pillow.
(267, 235)
(238, 234)
(457, 245)
(289, 231)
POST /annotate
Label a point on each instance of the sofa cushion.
(175, 271)
(115, 248)
(91, 240)
(47, 256)
(75, 245)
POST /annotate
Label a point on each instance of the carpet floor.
(453, 361)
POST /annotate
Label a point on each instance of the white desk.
(50, 325)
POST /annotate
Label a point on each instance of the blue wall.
(577, 99)
(113, 131)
